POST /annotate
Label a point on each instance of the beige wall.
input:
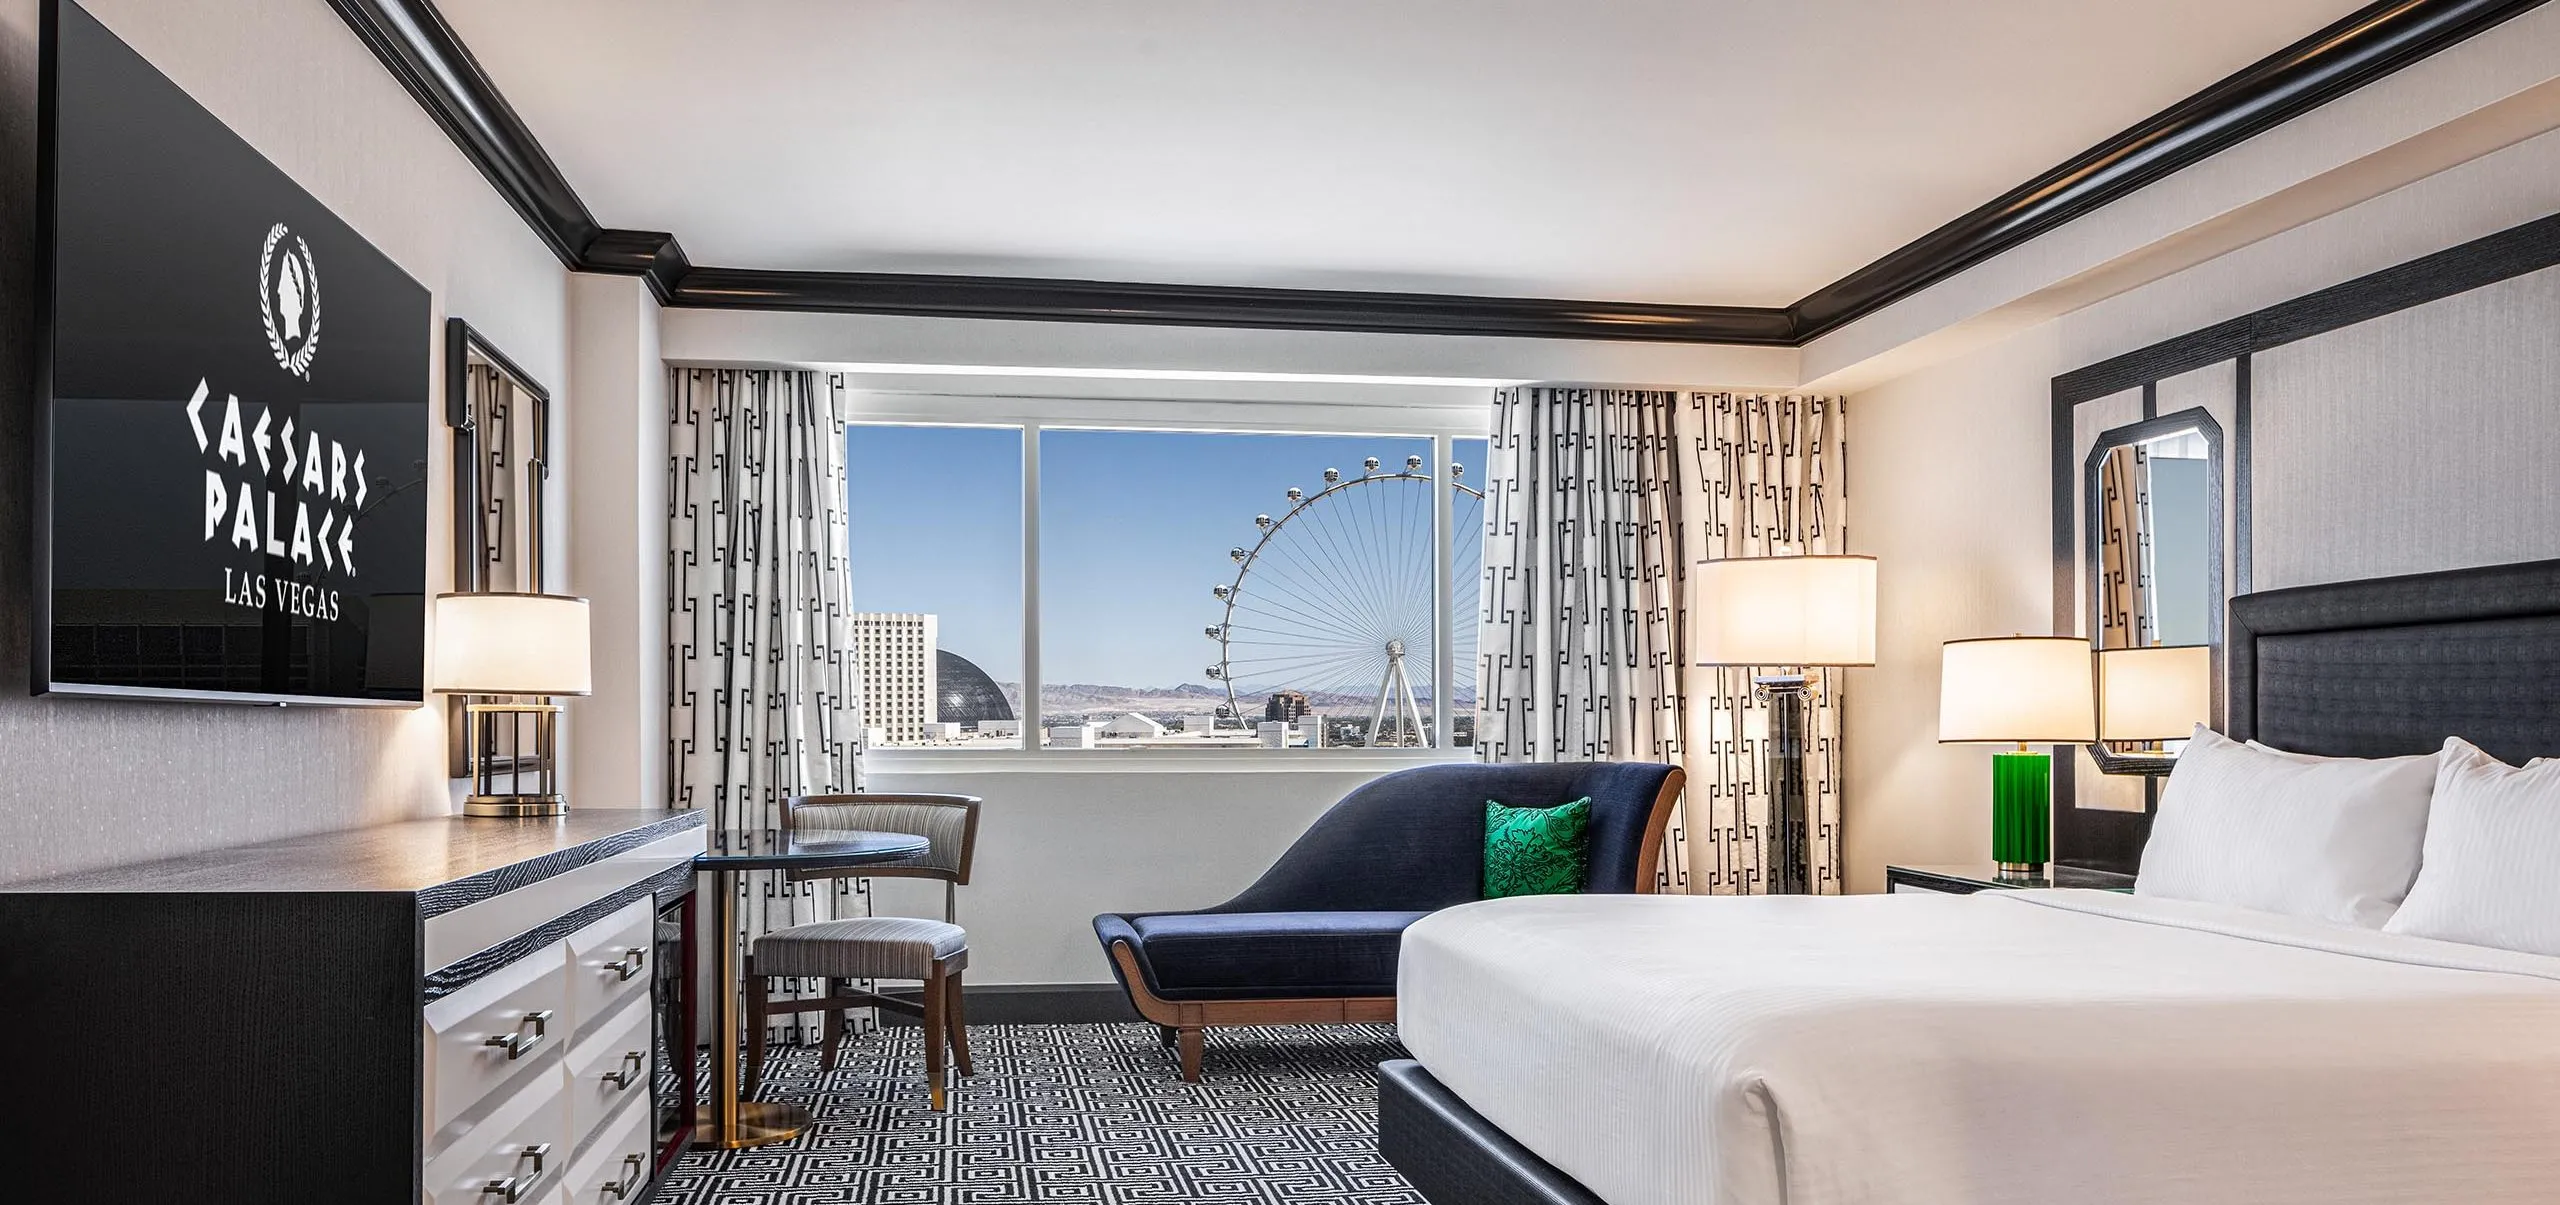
(612, 431)
(2375, 445)
(91, 782)
(1057, 848)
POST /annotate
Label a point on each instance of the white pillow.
(2492, 872)
(2332, 838)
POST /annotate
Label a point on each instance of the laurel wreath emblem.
(296, 362)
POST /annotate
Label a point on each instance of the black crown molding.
(2365, 46)
(414, 41)
(1047, 300)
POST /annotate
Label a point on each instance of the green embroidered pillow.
(1536, 851)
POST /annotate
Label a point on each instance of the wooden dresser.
(449, 1011)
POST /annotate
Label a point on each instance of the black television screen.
(233, 418)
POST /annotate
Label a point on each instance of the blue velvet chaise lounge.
(1314, 940)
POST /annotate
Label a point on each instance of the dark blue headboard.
(2395, 665)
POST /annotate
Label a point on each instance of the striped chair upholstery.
(862, 947)
(949, 821)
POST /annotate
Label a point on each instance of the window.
(934, 533)
(1194, 590)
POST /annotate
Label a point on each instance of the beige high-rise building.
(897, 651)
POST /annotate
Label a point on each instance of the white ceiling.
(1717, 151)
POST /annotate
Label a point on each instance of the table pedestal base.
(759, 1122)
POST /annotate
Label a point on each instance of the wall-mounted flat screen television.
(232, 413)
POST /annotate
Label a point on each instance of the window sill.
(1153, 761)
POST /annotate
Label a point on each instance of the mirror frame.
(2091, 556)
(472, 533)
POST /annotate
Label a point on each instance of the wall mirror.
(2152, 509)
(501, 424)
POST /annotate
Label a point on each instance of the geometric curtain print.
(764, 690)
(2123, 549)
(1598, 504)
(1073, 1113)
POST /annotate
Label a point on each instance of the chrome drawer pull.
(518, 1043)
(630, 963)
(634, 1170)
(629, 1073)
(517, 1187)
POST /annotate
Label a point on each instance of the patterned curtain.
(764, 690)
(1598, 502)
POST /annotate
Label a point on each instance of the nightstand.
(1970, 877)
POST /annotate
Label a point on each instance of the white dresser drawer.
(607, 1071)
(524, 1142)
(467, 930)
(495, 1031)
(615, 1168)
(609, 962)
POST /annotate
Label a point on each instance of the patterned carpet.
(1073, 1113)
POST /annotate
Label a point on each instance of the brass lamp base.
(518, 764)
(2022, 870)
(515, 805)
(759, 1122)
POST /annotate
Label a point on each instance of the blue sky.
(1135, 530)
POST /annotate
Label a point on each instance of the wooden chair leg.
(832, 1029)
(959, 1023)
(934, 1011)
(1189, 1041)
(757, 1003)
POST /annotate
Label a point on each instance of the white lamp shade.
(512, 644)
(2154, 694)
(2034, 690)
(1787, 610)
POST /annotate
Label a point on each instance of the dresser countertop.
(411, 856)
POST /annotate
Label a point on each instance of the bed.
(2016, 1046)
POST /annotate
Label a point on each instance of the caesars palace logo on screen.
(273, 490)
(289, 299)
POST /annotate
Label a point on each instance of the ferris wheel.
(1332, 603)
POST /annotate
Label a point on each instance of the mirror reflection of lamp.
(522, 650)
(1787, 613)
(2148, 697)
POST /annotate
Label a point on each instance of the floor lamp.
(1787, 613)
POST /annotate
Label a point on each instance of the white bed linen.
(2038, 1047)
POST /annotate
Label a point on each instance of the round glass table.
(726, 1122)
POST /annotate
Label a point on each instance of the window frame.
(1442, 424)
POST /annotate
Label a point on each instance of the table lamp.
(1787, 612)
(524, 648)
(2148, 696)
(2027, 690)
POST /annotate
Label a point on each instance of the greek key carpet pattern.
(1073, 1113)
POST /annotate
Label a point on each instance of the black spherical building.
(964, 694)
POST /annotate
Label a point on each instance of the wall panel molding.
(2110, 840)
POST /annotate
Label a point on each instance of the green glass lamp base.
(2021, 810)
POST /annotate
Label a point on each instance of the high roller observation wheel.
(1333, 599)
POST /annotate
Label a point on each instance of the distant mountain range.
(1072, 699)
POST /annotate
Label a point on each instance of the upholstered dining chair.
(933, 953)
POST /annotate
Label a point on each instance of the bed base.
(1452, 1155)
